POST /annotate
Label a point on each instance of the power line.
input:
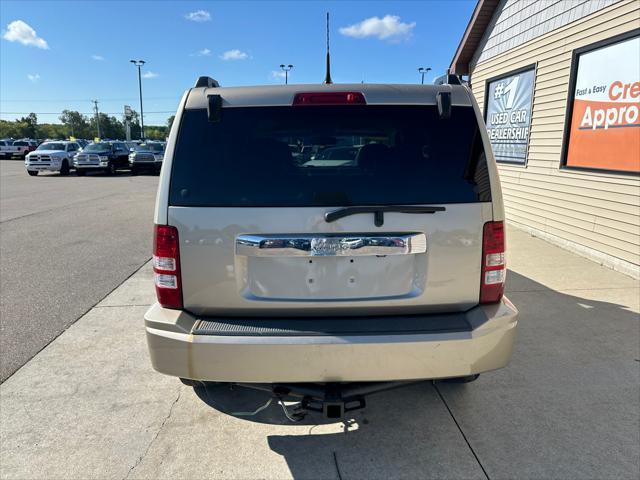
(124, 99)
(81, 113)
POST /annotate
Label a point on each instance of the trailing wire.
(296, 417)
(239, 414)
(255, 412)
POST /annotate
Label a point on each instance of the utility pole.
(285, 69)
(139, 64)
(95, 109)
(422, 71)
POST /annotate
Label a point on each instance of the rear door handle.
(330, 246)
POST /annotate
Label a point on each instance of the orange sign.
(605, 123)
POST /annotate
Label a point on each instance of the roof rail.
(447, 79)
(206, 82)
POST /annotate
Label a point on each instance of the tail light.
(493, 264)
(166, 266)
(329, 98)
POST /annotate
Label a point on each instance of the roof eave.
(480, 20)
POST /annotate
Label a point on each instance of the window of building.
(508, 103)
(602, 130)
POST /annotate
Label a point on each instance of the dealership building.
(558, 82)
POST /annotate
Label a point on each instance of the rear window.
(98, 147)
(150, 147)
(328, 156)
(51, 146)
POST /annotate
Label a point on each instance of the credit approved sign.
(604, 132)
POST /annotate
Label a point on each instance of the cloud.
(149, 74)
(205, 52)
(275, 75)
(198, 16)
(389, 26)
(234, 54)
(98, 58)
(19, 31)
(33, 78)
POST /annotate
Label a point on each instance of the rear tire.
(467, 379)
(33, 173)
(64, 169)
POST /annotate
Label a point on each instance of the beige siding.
(519, 21)
(597, 212)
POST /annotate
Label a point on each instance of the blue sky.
(57, 55)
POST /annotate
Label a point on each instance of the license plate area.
(332, 278)
(331, 266)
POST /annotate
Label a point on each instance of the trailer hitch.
(333, 400)
(334, 404)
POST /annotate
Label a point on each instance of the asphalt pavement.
(65, 242)
(90, 406)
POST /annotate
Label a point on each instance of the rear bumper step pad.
(396, 325)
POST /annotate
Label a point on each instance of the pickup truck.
(56, 156)
(30, 145)
(105, 156)
(146, 156)
(9, 150)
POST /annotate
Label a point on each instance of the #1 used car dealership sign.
(604, 129)
(508, 115)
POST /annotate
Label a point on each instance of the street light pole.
(139, 64)
(285, 69)
(422, 71)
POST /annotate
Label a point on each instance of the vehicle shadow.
(241, 402)
(574, 368)
(402, 433)
(119, 173)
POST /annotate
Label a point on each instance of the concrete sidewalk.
(90, 406)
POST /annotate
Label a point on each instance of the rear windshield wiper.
(378, 212)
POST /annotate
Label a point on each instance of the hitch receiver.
(333, 404)
(333, 400)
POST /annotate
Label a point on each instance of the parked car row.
(107, 157)
(11, 148)
(17, 148)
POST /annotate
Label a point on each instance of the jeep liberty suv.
(329, 233)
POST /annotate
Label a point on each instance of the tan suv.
(329, 234)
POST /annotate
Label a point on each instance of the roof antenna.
(327, 78)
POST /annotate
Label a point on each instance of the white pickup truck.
(55, 156)
(8, 150)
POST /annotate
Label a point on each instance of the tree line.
(75, 124)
